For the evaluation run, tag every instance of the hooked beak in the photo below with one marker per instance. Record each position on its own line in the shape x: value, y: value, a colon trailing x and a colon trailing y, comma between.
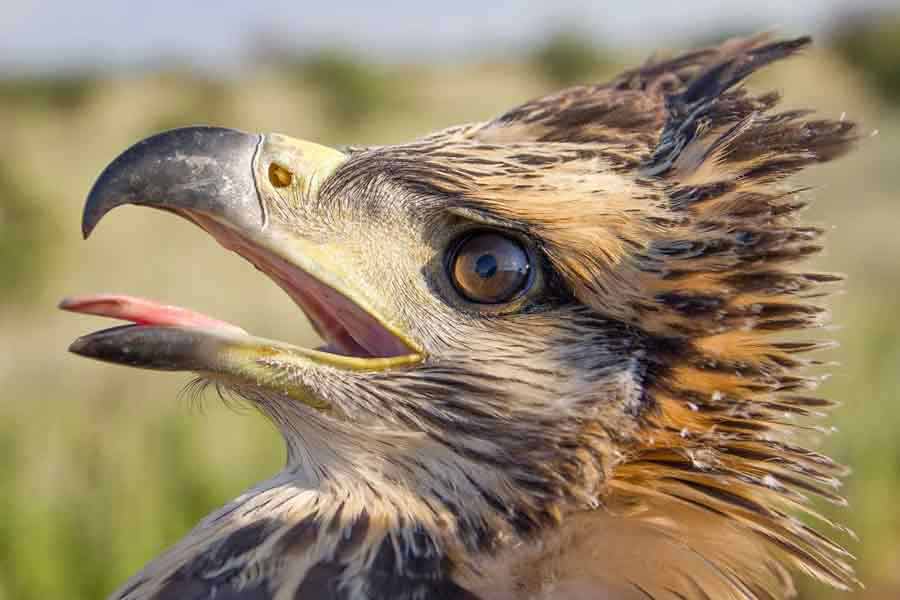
x: 195, y: 170
x: 222, y: 180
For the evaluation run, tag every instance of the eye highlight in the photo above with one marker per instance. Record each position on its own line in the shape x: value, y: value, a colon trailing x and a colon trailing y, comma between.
x: 490, y: 268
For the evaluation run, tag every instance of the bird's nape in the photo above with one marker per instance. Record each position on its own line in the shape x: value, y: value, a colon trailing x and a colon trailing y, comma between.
x: 560, y: 354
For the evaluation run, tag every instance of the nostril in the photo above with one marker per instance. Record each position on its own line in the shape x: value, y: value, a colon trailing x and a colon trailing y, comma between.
x: 279, y: 176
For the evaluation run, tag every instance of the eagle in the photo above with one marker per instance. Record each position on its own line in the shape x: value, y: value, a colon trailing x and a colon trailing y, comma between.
x: 563, y: 349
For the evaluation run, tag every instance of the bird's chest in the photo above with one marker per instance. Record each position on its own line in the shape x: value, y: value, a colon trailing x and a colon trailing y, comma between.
x: 592, y: 556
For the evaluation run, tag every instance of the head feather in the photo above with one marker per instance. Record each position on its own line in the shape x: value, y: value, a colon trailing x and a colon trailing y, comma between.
x: 661, y: 199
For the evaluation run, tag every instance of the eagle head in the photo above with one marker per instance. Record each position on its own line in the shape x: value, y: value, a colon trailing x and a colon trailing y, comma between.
x: 554, y: 360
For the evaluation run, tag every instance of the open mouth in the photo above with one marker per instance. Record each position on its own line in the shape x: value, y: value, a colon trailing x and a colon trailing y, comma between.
x: 347, y: 330
x: 210, y: 176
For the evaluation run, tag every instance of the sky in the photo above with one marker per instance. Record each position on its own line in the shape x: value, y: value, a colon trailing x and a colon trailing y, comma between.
x: 60, y: 34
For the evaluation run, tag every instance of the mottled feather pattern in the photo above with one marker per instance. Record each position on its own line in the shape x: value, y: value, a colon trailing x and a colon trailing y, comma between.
x: 737, y: 379
x: 717, y: 277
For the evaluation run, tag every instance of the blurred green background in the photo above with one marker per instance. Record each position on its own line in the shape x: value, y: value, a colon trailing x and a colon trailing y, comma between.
x: 102, y: 467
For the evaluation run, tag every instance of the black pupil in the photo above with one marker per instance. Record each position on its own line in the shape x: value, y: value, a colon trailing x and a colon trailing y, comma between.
x: 486, y: 266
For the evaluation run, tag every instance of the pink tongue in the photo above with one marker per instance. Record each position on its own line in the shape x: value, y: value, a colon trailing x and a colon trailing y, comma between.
x: 143, y: 312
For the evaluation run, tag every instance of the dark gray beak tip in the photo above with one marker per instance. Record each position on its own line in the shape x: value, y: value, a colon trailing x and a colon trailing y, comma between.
x: 77, y: 347
x: 91, y: 215
x: 145, y: 347
x: 87, y: 346
x: 206, y: 170
x: 101, y: 345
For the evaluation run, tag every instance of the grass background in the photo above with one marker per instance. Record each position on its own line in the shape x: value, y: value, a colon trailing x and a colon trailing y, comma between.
x: 103, y: 467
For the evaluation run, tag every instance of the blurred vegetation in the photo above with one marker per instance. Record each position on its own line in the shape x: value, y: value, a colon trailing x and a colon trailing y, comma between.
x: 199, y: 101
x: 354, y: 90
x: 24, y: 238
x: 568, y: 57
x: 351, y: 89
x: 872, y: 44
x: 67, y: 92
x: 101, y: 468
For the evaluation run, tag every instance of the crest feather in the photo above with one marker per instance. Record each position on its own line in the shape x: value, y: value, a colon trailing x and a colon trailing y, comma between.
x: 728, y: 284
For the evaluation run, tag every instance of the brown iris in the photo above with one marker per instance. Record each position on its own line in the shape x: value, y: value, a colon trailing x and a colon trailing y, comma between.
x: 490, y: 268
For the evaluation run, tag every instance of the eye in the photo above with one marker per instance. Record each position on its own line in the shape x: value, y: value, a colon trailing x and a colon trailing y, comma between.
x: 490, y: 268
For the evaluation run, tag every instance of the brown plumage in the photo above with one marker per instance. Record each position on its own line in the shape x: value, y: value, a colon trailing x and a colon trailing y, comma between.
x: 630, y: 425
